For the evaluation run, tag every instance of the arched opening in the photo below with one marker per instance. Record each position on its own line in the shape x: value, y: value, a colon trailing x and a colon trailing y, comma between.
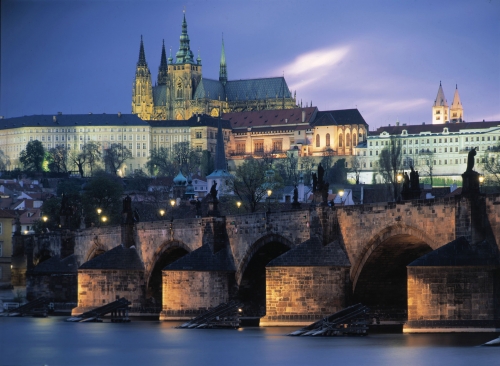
x: 168, y: 255
x: 95, y: 251
x: 252, y: 284
x: 382, y: 282
x: 317, y: 141
x: 327, y: 139
x: 340, y: 140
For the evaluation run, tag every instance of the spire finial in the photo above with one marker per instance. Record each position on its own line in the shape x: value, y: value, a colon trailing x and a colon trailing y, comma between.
x: 142, y: 55
x: 223, y: 67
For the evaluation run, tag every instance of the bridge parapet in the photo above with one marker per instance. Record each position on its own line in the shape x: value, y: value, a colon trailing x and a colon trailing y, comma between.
x: 95, y: 238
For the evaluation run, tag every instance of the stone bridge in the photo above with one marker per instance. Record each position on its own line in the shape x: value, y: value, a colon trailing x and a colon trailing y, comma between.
x: 357, y: 253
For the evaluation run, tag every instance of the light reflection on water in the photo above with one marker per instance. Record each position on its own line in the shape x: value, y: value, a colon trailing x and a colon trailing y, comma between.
x: 51, y: 341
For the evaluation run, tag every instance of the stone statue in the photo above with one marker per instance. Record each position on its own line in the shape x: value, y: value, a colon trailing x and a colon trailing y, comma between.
x: 295, y: 195
x: 406, y: 182
x: 213, y: 190
x: 321, y: 174
x: 470, y: 159
x: 315, y: 181
x: 198, y: 208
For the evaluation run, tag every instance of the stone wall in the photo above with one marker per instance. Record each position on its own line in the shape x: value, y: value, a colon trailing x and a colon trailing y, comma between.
x: 86, y: 241
x: 443, y: 298
x: 302, y: 295
x: 56, y: 287
x: 100, y: 287
x: 190, y: 293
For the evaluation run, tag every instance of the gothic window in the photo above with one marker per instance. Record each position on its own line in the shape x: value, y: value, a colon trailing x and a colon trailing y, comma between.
x: 327, y: 139
x: 340, y: 140
x: 317, y: 141
x: 347, y: 139
x: 354, y: 142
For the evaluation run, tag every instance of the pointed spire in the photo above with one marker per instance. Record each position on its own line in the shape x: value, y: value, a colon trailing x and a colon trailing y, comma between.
x: 142, y: 55
x: 456, y: 110
x: 163, y: 69
x: 440, y: 99
x: 220, y: 154
x: 184, y: 55
x: 223, y: 68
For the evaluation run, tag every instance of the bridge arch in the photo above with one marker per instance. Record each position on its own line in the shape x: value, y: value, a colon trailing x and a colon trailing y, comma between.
x: 168, y: 252
x: 96, y: 249
x: 251, y: 273
x: 379, y: 276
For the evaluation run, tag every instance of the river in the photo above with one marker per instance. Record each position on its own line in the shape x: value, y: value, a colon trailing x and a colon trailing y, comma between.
x: 51, y: 341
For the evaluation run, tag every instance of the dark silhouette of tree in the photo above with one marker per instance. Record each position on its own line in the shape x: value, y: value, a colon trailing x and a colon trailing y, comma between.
x: 58, y: 159
x: 92, y: 151
x: 33, y: 156
x: 390, y: 164
x: 4, y: 161
x: 78, y: 159
x: 206, y: 163
x: 115, y: 156
x: 160, y: 162
x: 103, y: 191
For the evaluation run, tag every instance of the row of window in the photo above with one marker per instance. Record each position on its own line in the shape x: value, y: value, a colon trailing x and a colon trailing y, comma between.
x: 436, y: 140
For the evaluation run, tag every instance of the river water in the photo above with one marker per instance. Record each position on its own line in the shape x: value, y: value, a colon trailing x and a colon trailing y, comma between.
x: 51, y: 341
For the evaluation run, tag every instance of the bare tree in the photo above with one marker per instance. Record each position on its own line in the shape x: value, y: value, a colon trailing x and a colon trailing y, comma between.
x: 185, y: 158
x: 356, y: 166
x: 390, y: 164
x: 115, y: 156
x: 4, y: 161
x: 58, y: 158
x: 426, y: 163
x: 92, y: 151
x: 306, y: 167
x: 78, y: 159
x: 160, y: 162
x: 491, y: 165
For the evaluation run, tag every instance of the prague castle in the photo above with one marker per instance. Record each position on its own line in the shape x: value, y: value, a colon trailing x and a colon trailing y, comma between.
x: 181, y: 90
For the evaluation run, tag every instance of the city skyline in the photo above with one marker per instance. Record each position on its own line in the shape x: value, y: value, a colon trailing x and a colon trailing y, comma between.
x: 387, y: 60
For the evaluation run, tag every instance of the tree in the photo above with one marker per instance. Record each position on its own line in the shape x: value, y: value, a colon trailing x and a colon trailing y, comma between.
x: 160, y: 162
x: 103, y: 191
x: 92, y: 151
x: 337, y: 174
x: 115, y: 156
x: 78, y: 159
x: 58, y: 158
x: 185, y: 158
x: 207, y: 164
x: 306, y: 167
x: 4, y: 161
x: 33, y: 156
x: 288, y: 168
x: 426, y: 165
x: 390, y: 164
x: 327, y: 160
x: 250, y: 182
x: 356, y: 166
x: 491, y: 165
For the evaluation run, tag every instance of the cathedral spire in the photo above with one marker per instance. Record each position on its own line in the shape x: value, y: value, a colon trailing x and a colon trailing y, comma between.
x: 223, y: 68
x: 163, y: 69
x: 440, y: 108
x: 440, y: 99
x: 142, y: 55
x: 184, y: 55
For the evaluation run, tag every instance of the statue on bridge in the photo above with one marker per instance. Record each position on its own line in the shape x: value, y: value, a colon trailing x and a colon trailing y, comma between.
x: 213, y: 190
x: 295, y: 202
x: 470, y: 159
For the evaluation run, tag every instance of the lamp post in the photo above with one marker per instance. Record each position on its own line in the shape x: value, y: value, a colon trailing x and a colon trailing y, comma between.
x: 104, y: 219
x: 238, y: 204
x: 172, y: 203
x: 162, y: 213
x: 269, y: 193
x: 45, y: 218
x: 481, y: 181
x: 99, y: 211
x: 341, y: 194
x: 399, y: 179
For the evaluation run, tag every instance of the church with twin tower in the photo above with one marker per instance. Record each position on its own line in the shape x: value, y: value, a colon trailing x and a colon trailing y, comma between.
x: 181, y: 90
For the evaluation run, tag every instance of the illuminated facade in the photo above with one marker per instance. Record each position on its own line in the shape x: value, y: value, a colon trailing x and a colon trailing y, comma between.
x: 181, y: 91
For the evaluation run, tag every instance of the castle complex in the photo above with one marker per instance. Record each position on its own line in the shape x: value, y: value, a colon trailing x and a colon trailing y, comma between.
x: 181, y: 91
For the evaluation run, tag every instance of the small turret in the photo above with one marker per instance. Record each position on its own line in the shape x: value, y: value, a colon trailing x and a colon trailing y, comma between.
x: 440, y: 108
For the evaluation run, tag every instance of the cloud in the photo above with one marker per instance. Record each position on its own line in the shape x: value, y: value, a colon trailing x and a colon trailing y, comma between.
x: 313, y: 66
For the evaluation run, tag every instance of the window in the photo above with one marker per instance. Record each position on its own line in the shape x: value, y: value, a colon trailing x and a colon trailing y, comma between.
x: 130, y: 148
x: 340, y: 140
x: 259, y: 146
x: 144, y: 145
x: 347, y: 139
x: 198, y: 134
x: 317, y: 141
x: 277, y: 146
x: 327, y: 139
x: 138, y: 145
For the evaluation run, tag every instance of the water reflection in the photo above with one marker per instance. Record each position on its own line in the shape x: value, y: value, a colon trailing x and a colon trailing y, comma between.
x: 51, y: 341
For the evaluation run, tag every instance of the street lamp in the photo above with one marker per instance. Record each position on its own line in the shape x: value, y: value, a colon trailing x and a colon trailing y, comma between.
x: 238, y: 204
x: 399, y: 178
x: 341, y: 194
x: 172, y: 203
x: 104, y: 219
x: 45, y: 218
x: 269, y: 193
x: 162, y: 212
x: 481, y: 181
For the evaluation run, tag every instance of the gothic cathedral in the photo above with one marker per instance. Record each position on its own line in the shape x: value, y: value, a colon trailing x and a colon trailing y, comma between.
x: 181, y: 91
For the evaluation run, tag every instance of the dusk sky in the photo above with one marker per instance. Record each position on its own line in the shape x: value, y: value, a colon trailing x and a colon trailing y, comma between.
x: 384, y: 57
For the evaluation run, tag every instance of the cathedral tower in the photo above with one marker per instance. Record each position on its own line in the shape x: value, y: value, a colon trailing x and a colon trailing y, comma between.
x: 142, y: 90
x: 440, y: 108
x: 163, y: 68
x: 456, y: 110
x: 184, y: 75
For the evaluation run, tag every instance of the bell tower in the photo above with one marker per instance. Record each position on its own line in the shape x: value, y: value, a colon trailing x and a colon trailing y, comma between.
x: 456, y: 110
x: 440, y: 108
x: 142, y: 89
